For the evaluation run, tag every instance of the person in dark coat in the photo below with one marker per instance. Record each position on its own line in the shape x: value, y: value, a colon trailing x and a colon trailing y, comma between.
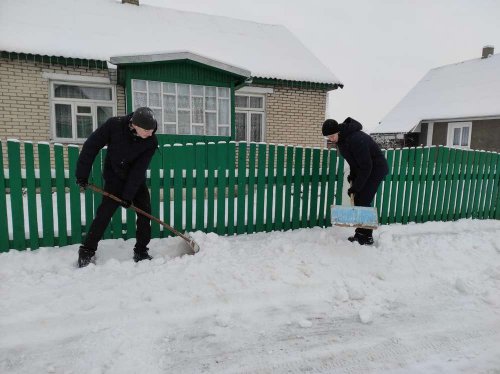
x: 131, y: 142
x: 366, y: 161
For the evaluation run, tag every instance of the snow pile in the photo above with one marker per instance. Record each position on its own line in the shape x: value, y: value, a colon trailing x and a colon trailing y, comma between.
x: 425, y: 298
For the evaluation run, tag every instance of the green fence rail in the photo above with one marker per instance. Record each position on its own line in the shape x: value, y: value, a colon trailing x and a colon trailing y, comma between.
x: 230, y: 188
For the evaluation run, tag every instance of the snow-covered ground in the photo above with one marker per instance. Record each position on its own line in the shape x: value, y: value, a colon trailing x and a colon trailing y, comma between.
x: 424, y: 299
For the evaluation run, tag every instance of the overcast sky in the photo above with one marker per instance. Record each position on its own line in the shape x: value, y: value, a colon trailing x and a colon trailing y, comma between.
x: 379, y: 49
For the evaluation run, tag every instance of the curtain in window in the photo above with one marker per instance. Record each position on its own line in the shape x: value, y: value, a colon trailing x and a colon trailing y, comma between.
x: 255, y: 127
x: 211, y: 123
x: 103, y: 113
x: 456, y: 136
x: 465, y: 136
x: 240, y: 126
x: 63, y: 120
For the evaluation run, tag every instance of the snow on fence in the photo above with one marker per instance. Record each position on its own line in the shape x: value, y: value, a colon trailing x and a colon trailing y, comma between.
x: 210, y: 187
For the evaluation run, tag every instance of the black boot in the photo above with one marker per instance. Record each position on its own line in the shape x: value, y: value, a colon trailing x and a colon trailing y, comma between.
x: 141, y: 254
x: 85, y: 256
x: 362, y: 239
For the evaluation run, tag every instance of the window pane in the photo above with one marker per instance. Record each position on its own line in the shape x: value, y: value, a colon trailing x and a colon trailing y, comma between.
x: 223, y: 92
x: 82, y: 92
x: 170, y: 129
x: 154, y: 100
x: 83, y: 126
x: 197, y: 90
x: 63, y: 121
x: 140, y: 99
x: 103, y: 113
x: 169, y: 88
x: 256, y: 102
x: 183, y: 96
x: 456, y: 136
x: 184, y: 122
x: 465, y: 136
x: 139, y: 85
x: 83, y: 109
x: 241, y: 101
x: 223, y: 112
x: 197, y: 103
x: 255, y: 127
x: 199, y: 130
x: 154, y: 87
x: 211, y: 123
x: 240, y: 120
x: 211, y: 91
x: 158, y: 118
x: 211, y: 103
x: 183, y: 89
x: 169, y: 108
x: 224, y: 131
x: 210, y: 98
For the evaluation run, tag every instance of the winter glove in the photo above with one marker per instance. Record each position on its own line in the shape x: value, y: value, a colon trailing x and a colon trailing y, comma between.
x: 82, y: 182
x: 351, y: 191
x: 126, y: 203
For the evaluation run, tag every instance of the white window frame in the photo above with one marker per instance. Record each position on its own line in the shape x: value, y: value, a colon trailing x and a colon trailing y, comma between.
x: 451, y: 128
x: 161, y: 129
x: 74, y: 104
x: 248, y: 112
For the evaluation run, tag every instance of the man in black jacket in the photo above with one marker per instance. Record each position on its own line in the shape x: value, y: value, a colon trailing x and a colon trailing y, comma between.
x: 131, y: 142
x: 366, y: 161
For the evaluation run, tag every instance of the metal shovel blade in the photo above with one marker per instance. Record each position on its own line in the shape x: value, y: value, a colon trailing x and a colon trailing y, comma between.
x: 355, y: 216
x: 191, y: 243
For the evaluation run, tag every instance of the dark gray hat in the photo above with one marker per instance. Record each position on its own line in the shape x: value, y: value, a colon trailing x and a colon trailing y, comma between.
x: 330, y: 127
x: 144, y: 117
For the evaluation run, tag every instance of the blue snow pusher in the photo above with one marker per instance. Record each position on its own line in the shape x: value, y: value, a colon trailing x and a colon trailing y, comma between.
x: 355, y: 216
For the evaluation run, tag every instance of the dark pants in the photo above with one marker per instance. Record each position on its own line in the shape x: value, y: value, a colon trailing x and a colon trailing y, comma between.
x: 108, y: 207
x: 365, y: 197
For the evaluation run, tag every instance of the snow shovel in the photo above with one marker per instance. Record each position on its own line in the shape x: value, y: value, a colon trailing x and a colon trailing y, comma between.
x: 188, y: 239
x: 355, y: 216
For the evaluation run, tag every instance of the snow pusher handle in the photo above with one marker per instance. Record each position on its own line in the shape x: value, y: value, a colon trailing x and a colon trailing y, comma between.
x: 188, y: 239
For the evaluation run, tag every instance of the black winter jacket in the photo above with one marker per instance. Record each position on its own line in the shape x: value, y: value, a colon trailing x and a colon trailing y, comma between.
x: 363, y: 155
x: 127, y: 157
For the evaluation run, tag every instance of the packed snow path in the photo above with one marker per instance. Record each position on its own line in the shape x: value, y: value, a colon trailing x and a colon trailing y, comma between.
x: 425, y: 298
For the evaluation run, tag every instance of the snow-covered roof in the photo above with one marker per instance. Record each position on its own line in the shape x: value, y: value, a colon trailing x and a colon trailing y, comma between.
x: 464, y: 90
x: 100, y: 29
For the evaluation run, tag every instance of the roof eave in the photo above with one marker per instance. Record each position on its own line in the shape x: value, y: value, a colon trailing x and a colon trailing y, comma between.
x: 182, y: 55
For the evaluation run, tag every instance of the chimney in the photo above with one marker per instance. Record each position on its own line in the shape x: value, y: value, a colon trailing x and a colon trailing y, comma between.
x: 488, y: 51
x: 133, y: 2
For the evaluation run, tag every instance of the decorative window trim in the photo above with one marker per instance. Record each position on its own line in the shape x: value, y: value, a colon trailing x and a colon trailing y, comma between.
x: 454, y: 125
x: 94, y: 103
x: 255, y: 90
x: 75, y: 78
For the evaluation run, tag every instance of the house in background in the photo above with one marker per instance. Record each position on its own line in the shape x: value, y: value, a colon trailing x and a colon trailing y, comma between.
x: 455, y: 105
x: 68, y: 65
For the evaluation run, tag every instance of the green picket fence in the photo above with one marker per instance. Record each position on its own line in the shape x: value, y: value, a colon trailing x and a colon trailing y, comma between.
x: 230, y: 188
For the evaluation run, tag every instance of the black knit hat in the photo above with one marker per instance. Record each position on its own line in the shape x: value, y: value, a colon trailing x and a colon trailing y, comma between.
x: 144, y: 118
x: 330, y: 127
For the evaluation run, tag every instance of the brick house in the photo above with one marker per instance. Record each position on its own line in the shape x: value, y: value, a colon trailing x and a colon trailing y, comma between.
x: 455, y: 105
x: 66, y: 66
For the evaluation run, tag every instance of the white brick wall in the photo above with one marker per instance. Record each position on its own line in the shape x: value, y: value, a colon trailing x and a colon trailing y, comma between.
x: 294, y: 116
x: 24, y: 98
